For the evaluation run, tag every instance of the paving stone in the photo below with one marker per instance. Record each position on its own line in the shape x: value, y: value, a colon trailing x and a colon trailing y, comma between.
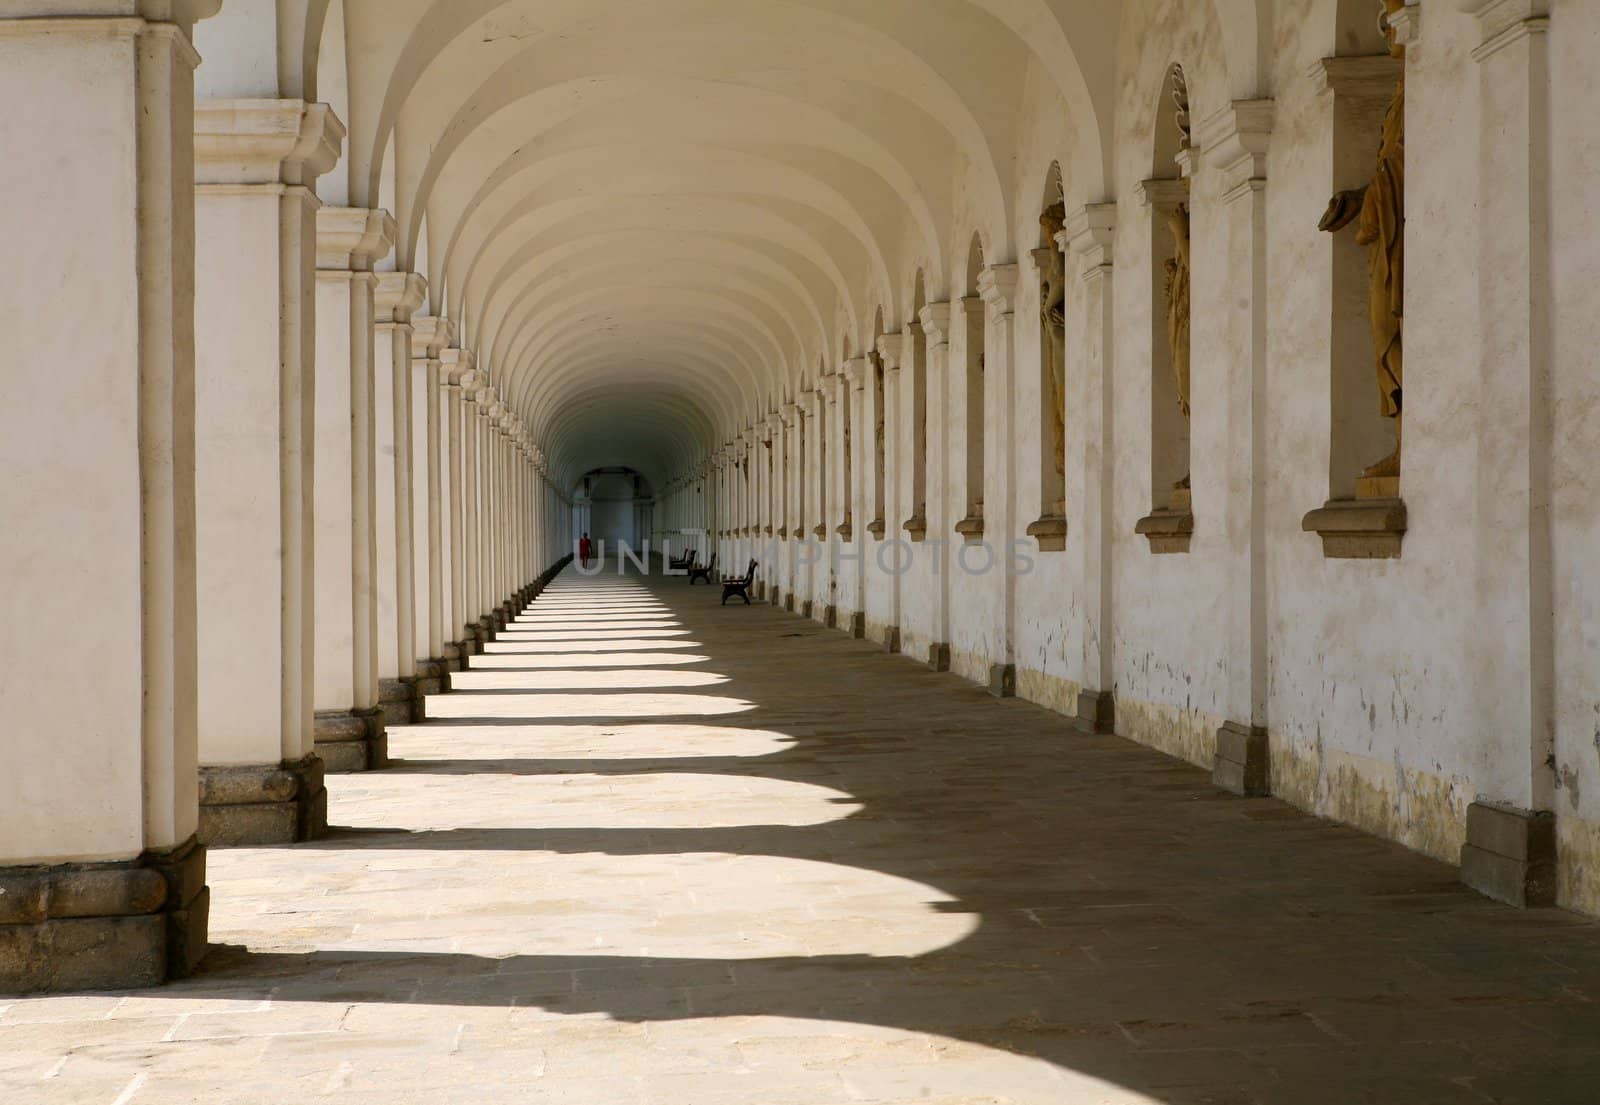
x: 812, y: 873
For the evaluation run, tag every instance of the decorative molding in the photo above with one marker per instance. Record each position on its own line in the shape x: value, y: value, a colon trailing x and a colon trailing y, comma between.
x: 935, y: 319
x: 264, y: 141
x: 1235, y: 142
x: 997, y: 285
x: 1371, y: 77
x: 1091, y: 233
x: 857, y: 370
x: 352, y: 238
x: 1503, y: 23
x: 891, y: 350
x: 430, y: 334
x: 399, y: 294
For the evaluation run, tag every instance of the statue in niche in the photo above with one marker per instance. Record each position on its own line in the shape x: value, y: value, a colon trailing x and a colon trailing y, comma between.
x: 1379, y: 211
x: 1178, y: 309
x: 1053, y: 327
x: 1178, y: 266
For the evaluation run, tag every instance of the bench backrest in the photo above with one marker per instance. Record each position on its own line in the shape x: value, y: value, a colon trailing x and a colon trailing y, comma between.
x: 750, y: 574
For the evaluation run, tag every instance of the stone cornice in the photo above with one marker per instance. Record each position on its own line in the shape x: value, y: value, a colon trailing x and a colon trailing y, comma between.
x: 1504, y: 22
x: 351, y: 238
x: 399, y: 294
x: 264, y: 141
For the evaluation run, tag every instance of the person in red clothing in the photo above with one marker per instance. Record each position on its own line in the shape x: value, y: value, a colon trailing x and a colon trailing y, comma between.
x: 585, y: 550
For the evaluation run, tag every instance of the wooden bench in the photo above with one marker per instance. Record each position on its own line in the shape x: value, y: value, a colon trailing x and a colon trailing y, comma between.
x: 682, y: 563
x: 703, y: 571
x: 739, y: 587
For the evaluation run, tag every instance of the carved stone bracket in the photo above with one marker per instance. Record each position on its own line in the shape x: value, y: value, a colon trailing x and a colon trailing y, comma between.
x: 1235, y: 142
x: 1359, y: 529
x: 1170, y: 529
x: 1051, y: 533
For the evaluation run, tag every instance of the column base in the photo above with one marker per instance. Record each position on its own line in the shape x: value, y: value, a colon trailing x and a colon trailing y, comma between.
x: 471, y: 642
x: 1097, y: 712
x: 830, y: 616
x: 1003, y: 680
x: 1241, y: 765
x: 352, y: 740
x: 433, y: 677
x: 1510, y: 854
x: 807, y: 607
x: 788, y: 602
x: 858, y: 626
x: 267, y: 804
x: 104, y: 926
x: 396, y: 698
x: 891, y: 639
x: 939, y: 656
x: 452, y: 657
x: 487, y: 629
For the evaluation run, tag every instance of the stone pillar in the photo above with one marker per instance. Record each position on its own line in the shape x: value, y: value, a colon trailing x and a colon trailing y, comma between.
x: 855, y: 475
x: 942, y: 509
x: 255, y: 350
x: 430, y: 335
x: 102, y: 881
x: 399, y: 294
x: 998, y: 286
x: 348, y: 725
x: 456, y: 365
x: 1234, y: 142
x: 892, y: 350
x: 1091, y: 375
x: 1510, y: 850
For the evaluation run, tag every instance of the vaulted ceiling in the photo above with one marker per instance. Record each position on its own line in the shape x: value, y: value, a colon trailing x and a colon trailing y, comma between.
x: 655, y: 220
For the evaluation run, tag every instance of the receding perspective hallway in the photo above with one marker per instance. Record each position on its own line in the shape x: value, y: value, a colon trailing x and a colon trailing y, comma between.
x: 653, y: 849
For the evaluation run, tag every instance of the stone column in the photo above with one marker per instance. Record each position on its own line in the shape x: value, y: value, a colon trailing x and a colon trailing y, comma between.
x: 456, y: 365
x: 255, y: 351
x: 430, y: 335
x: 892, y: 350
x: 399, y: 294
x: 98, y: 426
x: 855, y: 477
x: 1091, y: 375
x: 1234, y: 142
x: 1511, y: 844
x: 348, y: 725
x: 941, y: 509
x: 998, y: 286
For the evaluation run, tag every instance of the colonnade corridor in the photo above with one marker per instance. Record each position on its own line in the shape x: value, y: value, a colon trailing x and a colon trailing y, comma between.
x: 653, y: 849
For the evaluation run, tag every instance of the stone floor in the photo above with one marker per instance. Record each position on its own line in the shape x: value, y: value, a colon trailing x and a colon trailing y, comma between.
x: 662, y: 852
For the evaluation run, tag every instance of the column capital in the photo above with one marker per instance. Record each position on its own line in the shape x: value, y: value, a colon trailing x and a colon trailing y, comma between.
x: 430, y: 336
x: 891, y: 350
x: 456, y: 363
x: 1161, y: 193
x: 1235, y: 141
x: 352, y: 238
x: 246, y: 142
x: 1090, y: 232
x: 1500, y: 22
x: 1372, y: 78
x: 832, y: 385
x: 997, y: 285
x: 790, y: 413
x: 856, y: 371
x: 936, y: 322
x: 399, y: 293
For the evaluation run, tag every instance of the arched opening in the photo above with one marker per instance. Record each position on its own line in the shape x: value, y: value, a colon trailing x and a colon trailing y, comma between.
x: 1050, y: 529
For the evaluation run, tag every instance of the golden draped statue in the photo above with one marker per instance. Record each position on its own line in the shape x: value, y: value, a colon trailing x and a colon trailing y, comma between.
x: 1053, y: 325
x: 1379, y: 211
